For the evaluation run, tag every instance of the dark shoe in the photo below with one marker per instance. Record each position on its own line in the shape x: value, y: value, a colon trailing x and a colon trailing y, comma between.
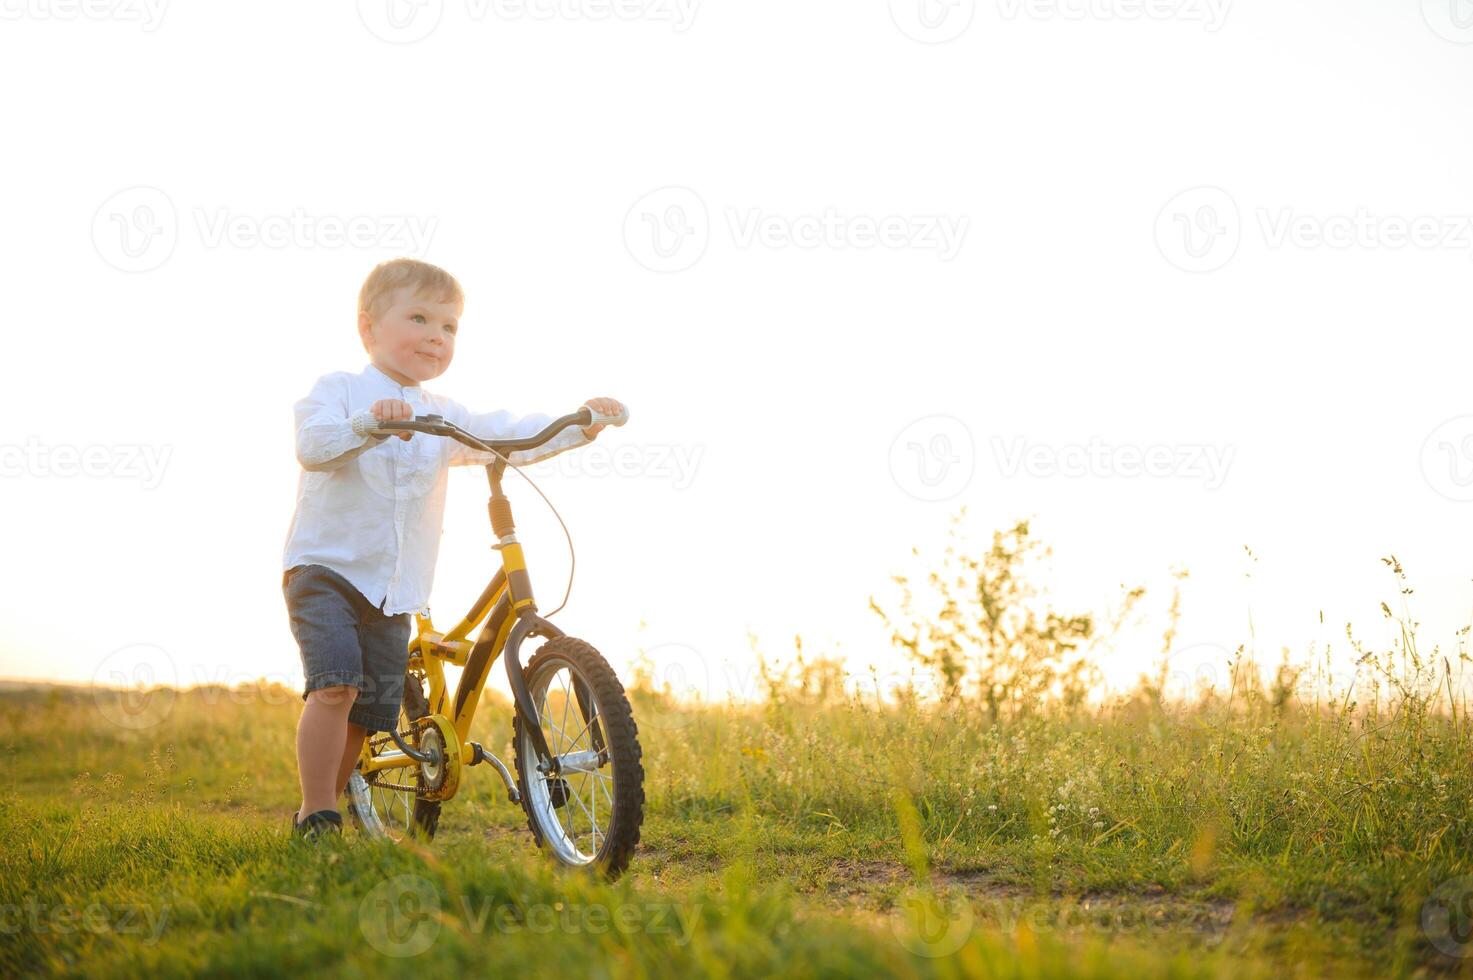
x: 317, y: 824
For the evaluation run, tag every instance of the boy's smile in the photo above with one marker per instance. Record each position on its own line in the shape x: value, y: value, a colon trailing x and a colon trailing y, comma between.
x: 412, y: 338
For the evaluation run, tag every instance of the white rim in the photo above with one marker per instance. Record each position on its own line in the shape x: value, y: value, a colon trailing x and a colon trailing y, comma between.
x: 576, y: 831
x: 382, y: 812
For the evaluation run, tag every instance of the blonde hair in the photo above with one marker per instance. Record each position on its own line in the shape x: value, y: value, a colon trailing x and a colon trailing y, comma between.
x: 428, y: 280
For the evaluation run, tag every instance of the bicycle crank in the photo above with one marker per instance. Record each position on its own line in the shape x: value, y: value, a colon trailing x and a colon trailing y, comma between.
x: 480, y: 755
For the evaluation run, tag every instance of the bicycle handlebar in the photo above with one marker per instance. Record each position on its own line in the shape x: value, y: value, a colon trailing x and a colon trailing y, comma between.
x: 437, y: 425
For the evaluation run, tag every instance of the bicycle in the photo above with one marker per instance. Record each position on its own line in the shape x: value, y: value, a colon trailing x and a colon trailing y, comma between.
x: 568, y: 774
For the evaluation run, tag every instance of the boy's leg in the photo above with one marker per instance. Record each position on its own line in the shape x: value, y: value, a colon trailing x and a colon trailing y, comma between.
x: 320, y: 734
x: 384, y: 641
x: 351, y: 750
x: 323, y: 609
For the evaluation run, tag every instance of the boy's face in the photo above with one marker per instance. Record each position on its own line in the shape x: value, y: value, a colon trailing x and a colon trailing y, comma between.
x: 412, y: 338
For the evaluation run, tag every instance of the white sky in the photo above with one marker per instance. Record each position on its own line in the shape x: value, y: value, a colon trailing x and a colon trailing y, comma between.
x: 1062, y: 145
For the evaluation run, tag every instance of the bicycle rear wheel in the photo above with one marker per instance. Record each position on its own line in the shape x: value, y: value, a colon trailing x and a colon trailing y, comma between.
x: 387, y: 804
x: 589, y: 814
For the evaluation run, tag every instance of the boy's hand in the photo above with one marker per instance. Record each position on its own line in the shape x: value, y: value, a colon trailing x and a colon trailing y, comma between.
x: 604, y: 406
x: 393, y: 410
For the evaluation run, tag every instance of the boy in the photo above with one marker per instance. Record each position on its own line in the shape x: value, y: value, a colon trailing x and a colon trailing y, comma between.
x: 360, y: 554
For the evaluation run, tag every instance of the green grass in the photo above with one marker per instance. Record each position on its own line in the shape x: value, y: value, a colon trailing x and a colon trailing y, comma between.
x: 818, y: 834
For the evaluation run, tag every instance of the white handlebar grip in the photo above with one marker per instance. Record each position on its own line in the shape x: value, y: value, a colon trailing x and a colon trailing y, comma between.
x: 364, y: 424
x: 601, y: 419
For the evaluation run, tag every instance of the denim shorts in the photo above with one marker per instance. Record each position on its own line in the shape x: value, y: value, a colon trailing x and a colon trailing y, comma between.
x: 344, y: 640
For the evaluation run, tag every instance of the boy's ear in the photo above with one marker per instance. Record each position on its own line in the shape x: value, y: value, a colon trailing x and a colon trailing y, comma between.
x: 365, y: 329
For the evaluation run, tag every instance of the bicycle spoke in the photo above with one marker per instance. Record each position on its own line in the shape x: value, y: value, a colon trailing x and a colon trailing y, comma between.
x: 582, y: 792
x: 564, y: 728
x: 575, y: 794
x: 392, y: 793
x: 543, y: 714
x: 552, y: 728
x: 595, y: 838
x: 590, y: 721
x: 566, y: 747
x: 579, y: 800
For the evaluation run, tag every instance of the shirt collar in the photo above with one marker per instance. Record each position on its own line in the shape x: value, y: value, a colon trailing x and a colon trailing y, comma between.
x: 410, y: 393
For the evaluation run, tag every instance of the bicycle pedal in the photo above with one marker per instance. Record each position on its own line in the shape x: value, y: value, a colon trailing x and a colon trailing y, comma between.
x: 557, y: 792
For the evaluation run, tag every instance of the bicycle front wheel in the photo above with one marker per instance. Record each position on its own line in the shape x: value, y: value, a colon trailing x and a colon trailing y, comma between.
x: 589, y: 813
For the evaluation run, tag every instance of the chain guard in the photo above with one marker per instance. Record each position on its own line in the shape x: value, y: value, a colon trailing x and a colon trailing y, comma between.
x: 426, y: 781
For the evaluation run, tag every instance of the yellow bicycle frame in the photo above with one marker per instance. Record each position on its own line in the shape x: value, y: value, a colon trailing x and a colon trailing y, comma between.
x: 507, y: 608
x: 430, y: 650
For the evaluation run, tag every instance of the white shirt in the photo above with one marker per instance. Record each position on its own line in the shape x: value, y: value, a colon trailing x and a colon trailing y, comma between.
x: 372, y: 507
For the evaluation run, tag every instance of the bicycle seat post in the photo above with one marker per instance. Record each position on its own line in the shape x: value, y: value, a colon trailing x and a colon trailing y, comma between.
x: 519, y: 583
